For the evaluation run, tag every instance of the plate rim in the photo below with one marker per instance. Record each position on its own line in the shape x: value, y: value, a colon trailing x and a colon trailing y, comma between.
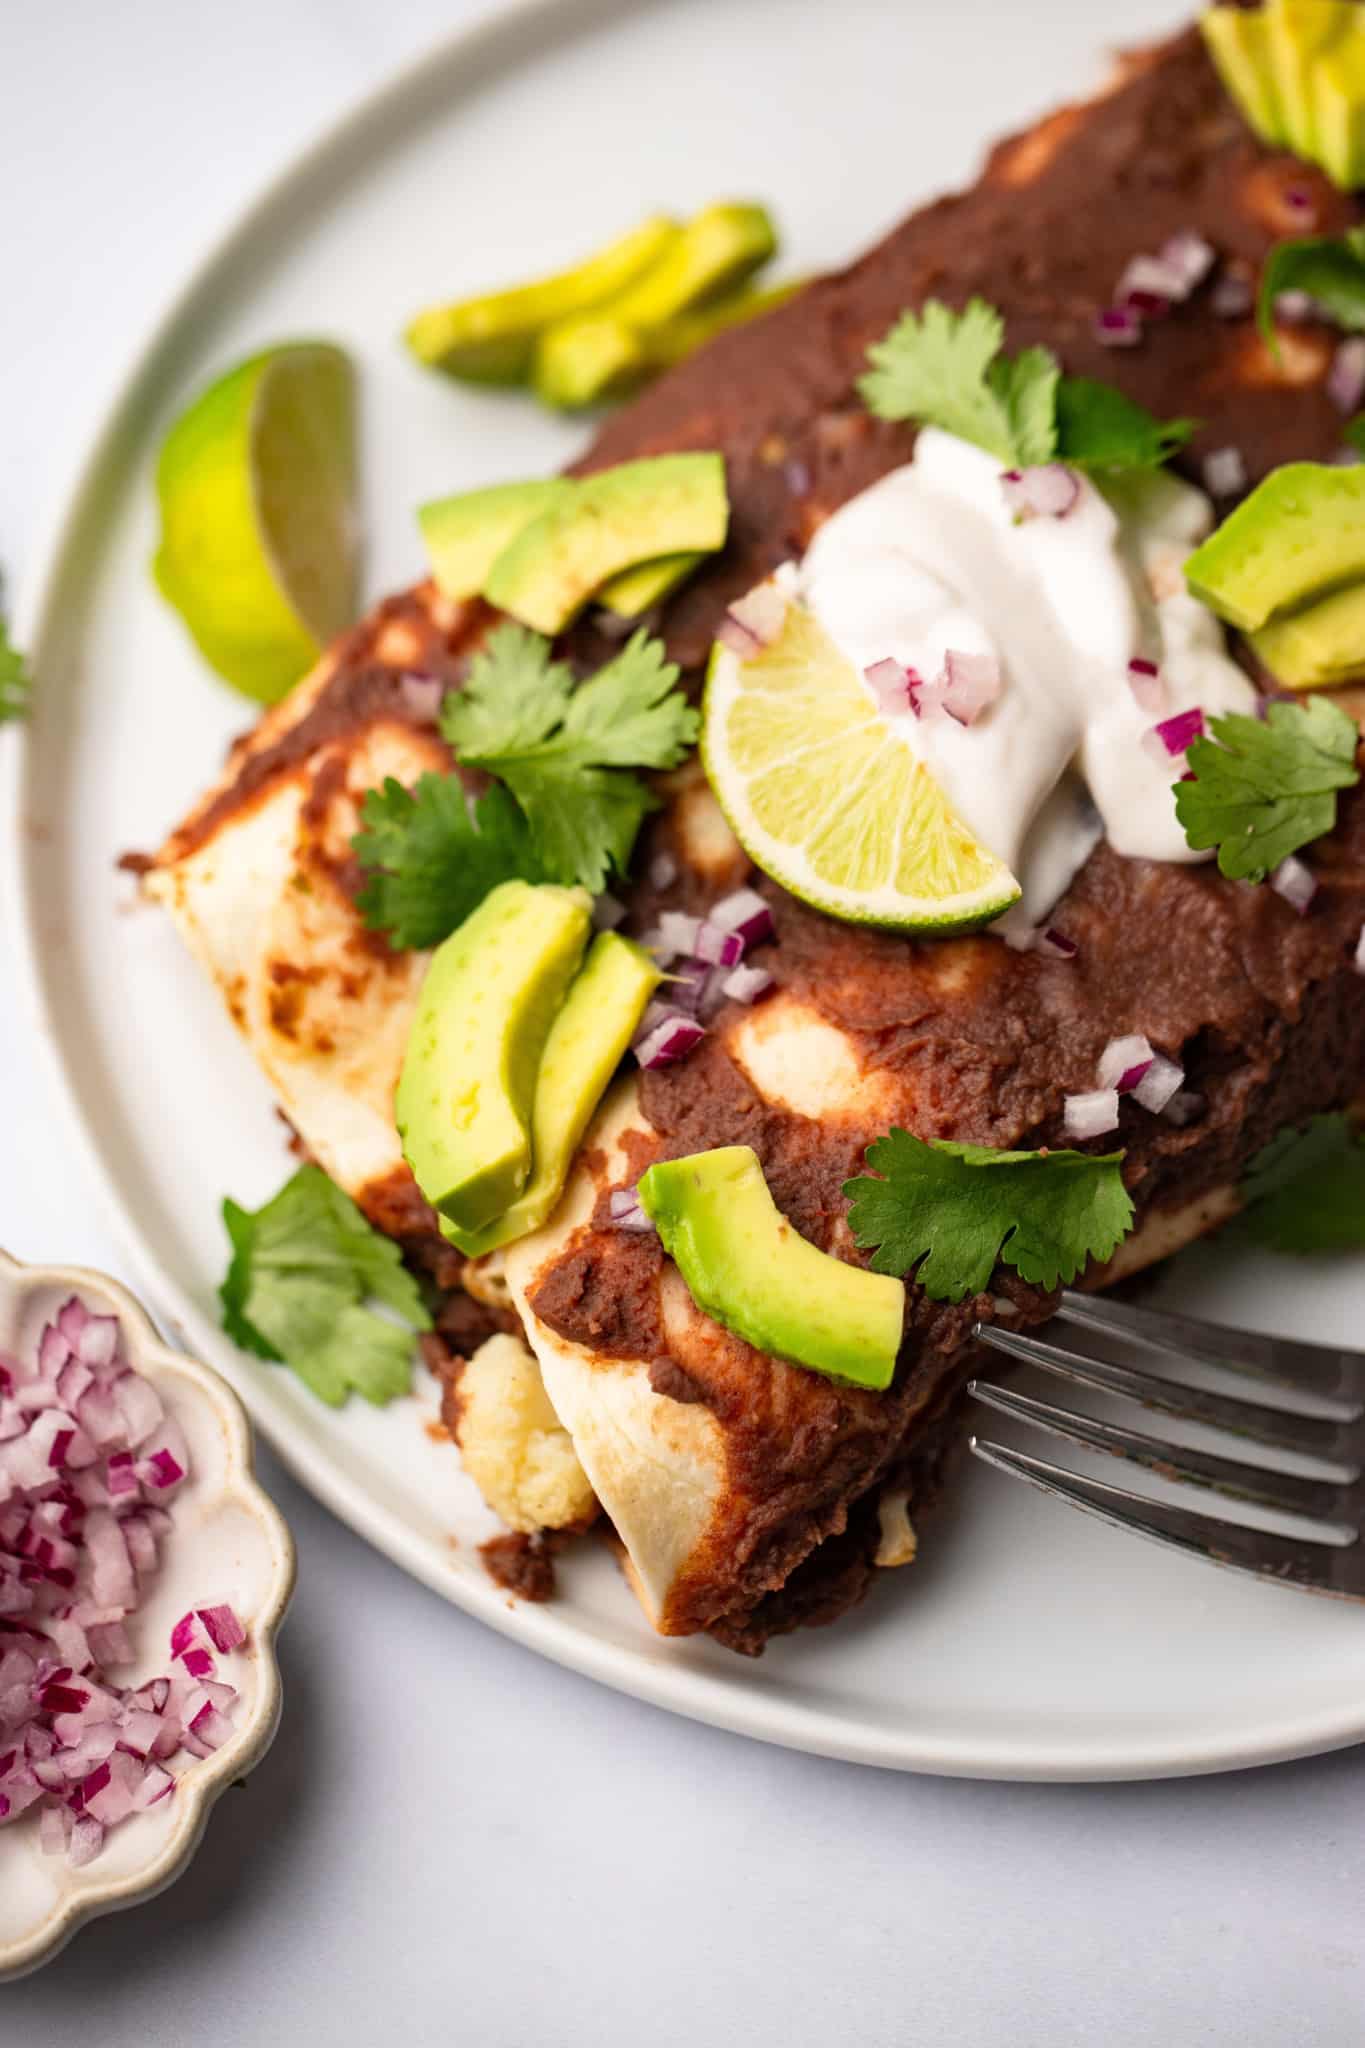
x: 498, y: 42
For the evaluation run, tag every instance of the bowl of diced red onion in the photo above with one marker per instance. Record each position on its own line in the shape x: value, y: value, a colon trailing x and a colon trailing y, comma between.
x: 143, y: 1578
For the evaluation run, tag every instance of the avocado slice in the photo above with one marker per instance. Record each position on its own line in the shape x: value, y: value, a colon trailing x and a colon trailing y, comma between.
x: 1240, y: 46
x: 465, y: 534
x: 676, y: 339
x: 1338, y: 91
x: 748, y: 1268
x: 490, y: 996
x: 490, y: 340
x: 1320, y: 644
x: 580, y: 361
x: 637, y: 590
x: 636, y: 512
x: 1300, y: 32
x: 1300, y: 534
x: 587, y: 1042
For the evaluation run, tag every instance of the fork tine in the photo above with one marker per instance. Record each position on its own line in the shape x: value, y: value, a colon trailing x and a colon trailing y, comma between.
x: 1318, y: 1566
x: 1284, y: 1361
x: 1313, y: 1436
x: 1321, y: 1500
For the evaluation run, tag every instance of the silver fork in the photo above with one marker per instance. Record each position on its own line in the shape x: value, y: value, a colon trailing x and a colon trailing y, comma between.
x: 1330, y: 1559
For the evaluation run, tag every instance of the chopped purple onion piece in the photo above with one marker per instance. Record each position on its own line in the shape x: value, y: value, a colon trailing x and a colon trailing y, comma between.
x: 1123, y: 1063
x: 747, y: 984
x: 743, y: 911
x: 1050, y: 490
x: 1233, y: 296
x: 671, y: 1040
x: 1050, y: 940
x: 1295, y: 309
x: 970, y: 684
x: 1346, y: 378
x: 1160, y: 1084
x: 1118, y: 327
x: 1168, y: 741
x: 1144, y: 680
x: 756, y: 619
x: 1296, y: 883
x: 1358, y: 958
x: 890, y: 684
x: 1091, y: 1115
x: 1153, y: 277
x: 1224, y: 473
x: 1189, y: 256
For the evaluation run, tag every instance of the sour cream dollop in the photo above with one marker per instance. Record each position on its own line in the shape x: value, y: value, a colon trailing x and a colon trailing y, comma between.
x: 932, y: 558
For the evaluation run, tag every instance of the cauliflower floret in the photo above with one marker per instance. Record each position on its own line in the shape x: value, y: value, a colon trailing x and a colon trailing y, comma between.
x: 512, y: 1443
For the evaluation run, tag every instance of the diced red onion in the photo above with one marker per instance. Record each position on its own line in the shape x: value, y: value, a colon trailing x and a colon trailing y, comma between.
x: 755, y: 620
x: 1049, y: 490
x: 1346, y: 378
x: 1168, y: 741
x: 1233, y: 297
x: 83, y: 1441
x: 1118, y: 327
x: 891, y: 685
x: 1144, y: 680
x: 1160, y: 1084
x: 743, y: 911
x: 1358, y: 959
x: 1152, y: 277
x: 1295, y: 309
x: 971, y: 684
x: 1050, y: 940
x: 747, y: 984
x: 1123, y: 1063
x: 671, y: 1040
x: 1189, y: 257
x: 677, y: 935
x: 1296, y: 883
x: 718, y: 948
x: 623, y: 1205
x: 1092, y: 1114
x: 1224, y: 473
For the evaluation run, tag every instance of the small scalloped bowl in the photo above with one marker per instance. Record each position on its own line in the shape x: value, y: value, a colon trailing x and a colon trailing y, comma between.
x: 227, y: 1542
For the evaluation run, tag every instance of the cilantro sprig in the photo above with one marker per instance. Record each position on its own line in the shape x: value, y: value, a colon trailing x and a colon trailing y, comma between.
x: 1260, y: 789
x: 567, y: 750
x: 567, y: 804
x: 1306, y: 1191
x: 951, y: 1212
x: 304, y: 1267
x: 431, y: 856
x: 14, y: 678
x: 946, y: 369
x: 1329, y: 268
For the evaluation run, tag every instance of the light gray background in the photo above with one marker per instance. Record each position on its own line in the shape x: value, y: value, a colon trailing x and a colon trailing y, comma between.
x: 452, y: 1842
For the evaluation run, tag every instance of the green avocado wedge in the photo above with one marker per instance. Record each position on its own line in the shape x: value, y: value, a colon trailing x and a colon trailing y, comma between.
x: 1298, y: 536
x: 747, y: 1267
x: 613, y: 521
x: 638, y: 590
x: 1240, y: 46
x: 578, y: 362
x: 491, y: 339
x: 586, y: 1043
x: 464, y: 535
x: 491, y: 994
x: 1338, y: 98
x: 1318, y: 646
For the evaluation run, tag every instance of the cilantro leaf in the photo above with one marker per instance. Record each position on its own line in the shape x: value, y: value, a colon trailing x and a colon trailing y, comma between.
x: 14, y: 678
x: 1306, y: 1191
x: 1098, y: 428
x: 431, y: 857
x: 1260, y: 789
x: 303, y: 1267
x: 566, y: 753
x: 1330, y: 268
x: 945, y: 369
x: 954, y: 1210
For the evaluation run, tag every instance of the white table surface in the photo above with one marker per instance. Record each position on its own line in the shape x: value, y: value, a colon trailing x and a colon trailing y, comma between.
x: 451, y: 1841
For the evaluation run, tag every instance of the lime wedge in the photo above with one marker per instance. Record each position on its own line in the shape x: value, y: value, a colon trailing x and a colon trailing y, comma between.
x: 829, y: 801
x: 256, y: 484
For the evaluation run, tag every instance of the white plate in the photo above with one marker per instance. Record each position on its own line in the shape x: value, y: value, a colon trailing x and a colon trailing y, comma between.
x: 1028, y: 1642
x: 227, y: 1542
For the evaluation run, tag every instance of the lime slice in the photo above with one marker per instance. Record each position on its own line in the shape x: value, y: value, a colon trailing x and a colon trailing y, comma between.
x: 827, y: 799
x: 256, y: 484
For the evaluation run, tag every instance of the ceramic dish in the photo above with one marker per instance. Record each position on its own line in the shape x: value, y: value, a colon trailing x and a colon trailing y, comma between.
x: 1030, y: 1643
x: 226, y: 1536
